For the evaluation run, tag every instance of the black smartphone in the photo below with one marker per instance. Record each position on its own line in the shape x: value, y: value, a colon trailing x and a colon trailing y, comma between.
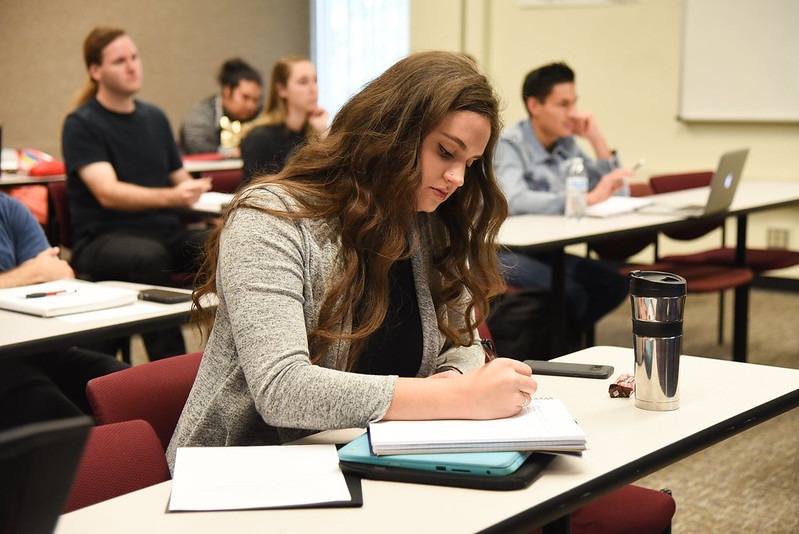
x: 580, y: 370
x: 164, y: 296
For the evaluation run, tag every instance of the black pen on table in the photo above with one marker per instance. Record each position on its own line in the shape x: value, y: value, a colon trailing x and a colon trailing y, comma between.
x: 48, y: 293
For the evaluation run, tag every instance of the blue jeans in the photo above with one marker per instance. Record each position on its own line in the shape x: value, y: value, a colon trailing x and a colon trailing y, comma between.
x: 591, y: 288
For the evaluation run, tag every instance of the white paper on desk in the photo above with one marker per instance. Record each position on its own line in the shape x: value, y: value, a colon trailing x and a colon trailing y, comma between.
x: 213, y: 201
x: 617, y: 206
x: 137, y: 308
x: 240, y: 478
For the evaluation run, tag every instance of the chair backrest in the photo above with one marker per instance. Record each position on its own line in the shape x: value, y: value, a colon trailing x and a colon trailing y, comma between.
x: 60, y: 202
x: 620, y: 248
x: 641, y: 189
x: 37, y: 465
x: 225, y: 181
x: 666, y: 183
x: 155, y: 392
x: 118, y: 458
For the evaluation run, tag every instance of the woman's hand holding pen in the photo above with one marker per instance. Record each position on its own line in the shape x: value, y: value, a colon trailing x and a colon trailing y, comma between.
x: 500, y: 388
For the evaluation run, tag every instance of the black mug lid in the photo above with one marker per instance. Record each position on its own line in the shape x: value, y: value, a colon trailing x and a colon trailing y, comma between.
x: 656, y: 284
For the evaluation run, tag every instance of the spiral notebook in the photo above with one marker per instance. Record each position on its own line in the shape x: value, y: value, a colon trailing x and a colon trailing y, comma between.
x: 64, y: 297
x: 544, y: 425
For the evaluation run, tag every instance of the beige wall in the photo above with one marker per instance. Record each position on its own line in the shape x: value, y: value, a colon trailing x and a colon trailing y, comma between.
x: 182, y: 44
x: 627, y: 60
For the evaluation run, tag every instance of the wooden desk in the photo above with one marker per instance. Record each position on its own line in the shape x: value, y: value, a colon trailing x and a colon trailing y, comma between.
x: 550, y: 232
x: 710, y: 411
x: 23, y: 334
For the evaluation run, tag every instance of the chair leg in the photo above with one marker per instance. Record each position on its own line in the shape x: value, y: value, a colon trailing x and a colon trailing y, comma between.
x: 667, y: 530
x: 720, y: 339
x: 124, y: 345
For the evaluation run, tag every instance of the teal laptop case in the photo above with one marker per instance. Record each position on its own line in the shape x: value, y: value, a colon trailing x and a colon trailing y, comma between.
x: 485, y: 464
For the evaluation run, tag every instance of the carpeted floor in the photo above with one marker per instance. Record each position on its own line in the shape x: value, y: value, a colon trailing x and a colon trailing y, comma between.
x: 750, y: 482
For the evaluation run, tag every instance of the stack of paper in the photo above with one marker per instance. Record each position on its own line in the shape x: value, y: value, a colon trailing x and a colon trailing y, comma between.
x: 617, y: 206
x: 241, y: 478
x: 63, y: 297
x: 213, y: 202
x: 545, y: 425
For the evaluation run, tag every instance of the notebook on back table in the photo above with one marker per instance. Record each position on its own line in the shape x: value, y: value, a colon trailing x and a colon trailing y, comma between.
x: 719, y: 195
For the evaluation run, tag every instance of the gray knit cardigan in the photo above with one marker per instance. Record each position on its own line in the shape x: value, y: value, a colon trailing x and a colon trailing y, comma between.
x: 256, y: 384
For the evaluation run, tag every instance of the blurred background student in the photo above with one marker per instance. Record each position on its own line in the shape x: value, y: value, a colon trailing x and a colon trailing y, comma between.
x: 126, y: 180
x: 291, y: 116
x: 215, y: 123
x: 49, y: 385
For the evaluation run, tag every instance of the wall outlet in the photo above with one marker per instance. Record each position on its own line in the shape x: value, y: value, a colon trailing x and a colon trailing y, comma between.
x: 777, y: 238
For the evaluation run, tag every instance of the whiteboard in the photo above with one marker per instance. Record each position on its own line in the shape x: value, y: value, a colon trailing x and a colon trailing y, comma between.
x: 740, y: 61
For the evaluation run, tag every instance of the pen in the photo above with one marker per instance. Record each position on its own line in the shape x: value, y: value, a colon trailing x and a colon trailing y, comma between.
x: 48, y: 293
x: 639, y: 164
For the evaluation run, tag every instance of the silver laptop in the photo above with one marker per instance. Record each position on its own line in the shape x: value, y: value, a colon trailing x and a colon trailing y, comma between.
x: 717, y: 198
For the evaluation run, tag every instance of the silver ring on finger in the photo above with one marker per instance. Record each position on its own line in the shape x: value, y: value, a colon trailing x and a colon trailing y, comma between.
x: 527, y: 400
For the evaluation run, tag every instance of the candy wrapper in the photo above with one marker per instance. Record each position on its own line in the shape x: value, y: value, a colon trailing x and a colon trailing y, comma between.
x: 624, y: 386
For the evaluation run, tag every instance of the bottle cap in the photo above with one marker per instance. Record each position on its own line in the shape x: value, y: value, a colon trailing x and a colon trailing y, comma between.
x: 657, y: 284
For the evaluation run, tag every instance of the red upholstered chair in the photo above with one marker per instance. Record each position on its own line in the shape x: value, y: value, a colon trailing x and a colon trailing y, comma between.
x: 226, y: 181
x: 759, y: 260
x: 154, y: 391
x: 702, y: 276
x: 630, y: 509
x: 57, y: 191
x: 667, y: 183
x: 618, y: 249
x: 118, y: 459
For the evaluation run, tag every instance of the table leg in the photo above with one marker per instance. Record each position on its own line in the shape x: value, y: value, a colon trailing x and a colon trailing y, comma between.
x: 562, y: 525
x: 558, y: 333
x: 740, y: 335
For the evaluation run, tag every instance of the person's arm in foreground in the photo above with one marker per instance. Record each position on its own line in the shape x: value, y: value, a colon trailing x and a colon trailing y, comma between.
x: 497, y: 389
x: 36, y: 261
x: 45, y: 267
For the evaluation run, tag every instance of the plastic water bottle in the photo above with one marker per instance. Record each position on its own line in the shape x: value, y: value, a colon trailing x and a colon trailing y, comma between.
x: 576, y: 188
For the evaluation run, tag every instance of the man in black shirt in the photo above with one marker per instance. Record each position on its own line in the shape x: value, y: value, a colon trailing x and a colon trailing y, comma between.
x: 125, y: 178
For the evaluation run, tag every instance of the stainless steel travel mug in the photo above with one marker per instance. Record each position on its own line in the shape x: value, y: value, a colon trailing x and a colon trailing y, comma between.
x: 658, y: 304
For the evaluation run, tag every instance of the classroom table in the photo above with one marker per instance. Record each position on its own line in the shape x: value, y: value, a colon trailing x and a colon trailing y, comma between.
x: 13, y: 179
x: 552, y: 232
x: 625, y: 444
x: 23, y: 334
x: 209, y: 165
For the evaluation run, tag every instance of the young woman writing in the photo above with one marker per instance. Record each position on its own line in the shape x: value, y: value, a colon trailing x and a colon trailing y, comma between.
x: 347, y: 283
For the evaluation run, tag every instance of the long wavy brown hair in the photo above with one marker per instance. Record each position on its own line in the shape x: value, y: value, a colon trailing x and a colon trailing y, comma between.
x: 366, y: 173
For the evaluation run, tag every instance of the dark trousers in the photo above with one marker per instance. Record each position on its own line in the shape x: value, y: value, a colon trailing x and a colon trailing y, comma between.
x: 49, y: 386
x: 591, y: 288
x: 145, y: 258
